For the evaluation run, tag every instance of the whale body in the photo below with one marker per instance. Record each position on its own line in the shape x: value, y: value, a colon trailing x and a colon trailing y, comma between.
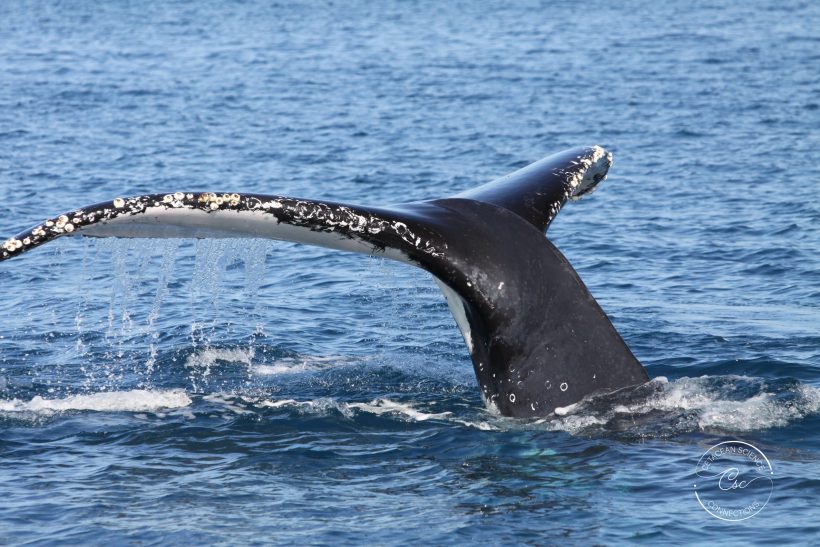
x: 537, y: 338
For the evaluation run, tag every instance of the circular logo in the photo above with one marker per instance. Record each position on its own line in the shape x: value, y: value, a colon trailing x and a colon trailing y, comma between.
x: 733, y: 481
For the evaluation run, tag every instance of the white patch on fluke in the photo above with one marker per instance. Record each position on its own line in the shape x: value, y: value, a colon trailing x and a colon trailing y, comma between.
x: 456, y: 306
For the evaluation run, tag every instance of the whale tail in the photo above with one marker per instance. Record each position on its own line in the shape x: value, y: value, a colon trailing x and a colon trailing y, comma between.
x: 537, y: 338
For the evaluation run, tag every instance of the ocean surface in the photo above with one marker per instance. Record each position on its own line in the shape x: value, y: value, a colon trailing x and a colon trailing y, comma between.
x: 160, y: 392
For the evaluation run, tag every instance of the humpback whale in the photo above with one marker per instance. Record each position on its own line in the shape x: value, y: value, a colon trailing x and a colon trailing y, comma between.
x: 537, y: 338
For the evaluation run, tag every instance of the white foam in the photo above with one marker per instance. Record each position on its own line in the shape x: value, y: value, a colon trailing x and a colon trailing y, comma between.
x: 575, y: 424
x: 386, y: 406
x: 280, y: 404
x: 727, y: 403
x: 137, y: 400
x: 321, y: 406
x: 564, y: 410
x: 290, y: 365
x: 227, y: 402
x: 760, y: 412
x: 279, y: 368
x: 377, y: 407
x: 716, y: 408
x: 482, y: 426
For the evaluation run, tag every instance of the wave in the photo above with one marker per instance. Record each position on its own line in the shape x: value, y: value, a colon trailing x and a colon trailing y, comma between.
x: 658, y: 409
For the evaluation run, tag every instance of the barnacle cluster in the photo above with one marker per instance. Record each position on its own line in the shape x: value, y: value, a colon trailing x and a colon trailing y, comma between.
x: 63, y: 223
x: 215, y: 201
x: 12, y: 245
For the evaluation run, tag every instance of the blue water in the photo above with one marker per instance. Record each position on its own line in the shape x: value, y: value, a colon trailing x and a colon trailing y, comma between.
x: 159, y: 392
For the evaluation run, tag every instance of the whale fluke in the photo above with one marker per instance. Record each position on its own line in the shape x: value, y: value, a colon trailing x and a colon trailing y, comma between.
x: 537, y: 338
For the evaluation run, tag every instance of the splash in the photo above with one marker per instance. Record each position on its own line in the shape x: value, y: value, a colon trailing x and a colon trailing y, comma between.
x: 291, y: 365
x: 207, y: 358
x: 132, y: 295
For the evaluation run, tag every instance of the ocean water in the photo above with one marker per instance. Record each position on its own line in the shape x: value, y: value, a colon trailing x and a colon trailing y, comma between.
x: 254, y: 392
